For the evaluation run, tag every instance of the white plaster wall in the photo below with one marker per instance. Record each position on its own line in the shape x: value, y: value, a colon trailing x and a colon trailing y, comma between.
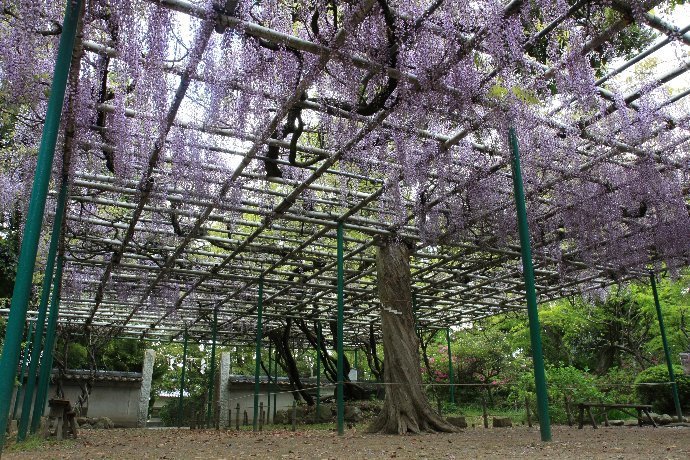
x: 118, y: 401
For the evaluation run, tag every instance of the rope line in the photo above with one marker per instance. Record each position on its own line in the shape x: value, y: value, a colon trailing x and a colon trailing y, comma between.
x: 332, y: 385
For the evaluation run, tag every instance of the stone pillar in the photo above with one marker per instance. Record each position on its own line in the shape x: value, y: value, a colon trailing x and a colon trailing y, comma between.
x: 224, y: 389
x: 145, y: 391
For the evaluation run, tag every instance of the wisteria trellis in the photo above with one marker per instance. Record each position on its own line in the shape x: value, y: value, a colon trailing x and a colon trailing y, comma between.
x: 217, y: 142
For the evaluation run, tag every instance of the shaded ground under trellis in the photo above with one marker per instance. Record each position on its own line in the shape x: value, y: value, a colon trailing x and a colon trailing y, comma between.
x: 625, y: 442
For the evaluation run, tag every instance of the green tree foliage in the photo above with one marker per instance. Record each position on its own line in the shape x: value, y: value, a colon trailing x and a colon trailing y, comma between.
x: 649, y: 390
x: 76, y: 356
x: 488, y: 358
x: 123, y: 355
x: 594, y: 348
x: 618, y: 331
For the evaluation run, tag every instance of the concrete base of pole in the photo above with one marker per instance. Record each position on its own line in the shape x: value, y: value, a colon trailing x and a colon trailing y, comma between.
x: 12, y: 428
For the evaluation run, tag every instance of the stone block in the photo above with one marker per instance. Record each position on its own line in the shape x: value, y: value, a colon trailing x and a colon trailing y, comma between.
x: 325, y: 415
x: 663, y: 419
x: 104, y: 423
x: 224, y: 389
x: 459, y: 422
x: 145, y: 390
x: 371, y: 407
x: 301, y: 413
x: 654, y: 416
x: 353, y: 414
x: 618, y: 422
x: 281, y: 418
x: 502, y: 422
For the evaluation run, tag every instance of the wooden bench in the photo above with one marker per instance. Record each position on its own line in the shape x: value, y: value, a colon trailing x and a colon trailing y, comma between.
x: 640, y: 408
x: 61, y: 421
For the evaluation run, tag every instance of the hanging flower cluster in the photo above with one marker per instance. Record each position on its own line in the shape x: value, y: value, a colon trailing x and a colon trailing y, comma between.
x: 205, y: 127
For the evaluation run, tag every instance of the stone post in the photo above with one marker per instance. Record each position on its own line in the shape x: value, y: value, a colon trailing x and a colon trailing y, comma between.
x: 224, y: 390
x: 145, y: 391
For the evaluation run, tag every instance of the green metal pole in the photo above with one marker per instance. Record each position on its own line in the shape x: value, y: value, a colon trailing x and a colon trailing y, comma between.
x: 34, y: 216
x: 269, y: 387
x: 450, y: 369
x: 667, y: 352
x: 48, y: 349
x: 212, y: 374
x: 23, y: 369
x: 180, y: 404
x: 341, y: 319
x: 318, y: 372
x: 257, y: 356
x: 275, y: 380
x: 42, y: 309
x: 530, y: 292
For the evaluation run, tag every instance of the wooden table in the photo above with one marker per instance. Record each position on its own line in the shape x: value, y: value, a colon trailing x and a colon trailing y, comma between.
x: 61, y: 420
x: 640, y: 408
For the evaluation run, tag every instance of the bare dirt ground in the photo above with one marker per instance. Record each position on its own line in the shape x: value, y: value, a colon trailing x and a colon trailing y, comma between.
x: 517, y: 442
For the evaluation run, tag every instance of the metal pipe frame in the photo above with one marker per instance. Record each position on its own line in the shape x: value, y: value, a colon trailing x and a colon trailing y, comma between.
x: 276, y: 233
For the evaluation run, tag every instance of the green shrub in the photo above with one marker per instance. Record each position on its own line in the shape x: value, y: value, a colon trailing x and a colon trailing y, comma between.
x: 660, y: 396
x: 578, y: 386
x: 618, y: 384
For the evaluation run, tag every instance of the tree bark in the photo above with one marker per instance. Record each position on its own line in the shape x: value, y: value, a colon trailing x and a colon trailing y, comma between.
x: 406, y: 408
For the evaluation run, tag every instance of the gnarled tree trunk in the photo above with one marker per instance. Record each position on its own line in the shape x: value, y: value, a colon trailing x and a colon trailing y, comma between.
x: 406, y: 408
x: 280, y: 338
x: 330, y: 363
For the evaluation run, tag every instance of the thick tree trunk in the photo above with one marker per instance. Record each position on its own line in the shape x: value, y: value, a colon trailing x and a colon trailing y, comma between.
x: 406, y: 408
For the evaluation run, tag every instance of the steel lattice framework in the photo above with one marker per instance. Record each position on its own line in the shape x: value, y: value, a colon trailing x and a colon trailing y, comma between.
x: 284, y: 229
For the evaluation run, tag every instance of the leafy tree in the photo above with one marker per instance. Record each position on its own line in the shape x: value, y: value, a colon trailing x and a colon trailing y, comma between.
x: 487, y: 356
x: 123, y: 355
x: 674, y: 298
x: 619, y: 330
x: 601, y: 344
